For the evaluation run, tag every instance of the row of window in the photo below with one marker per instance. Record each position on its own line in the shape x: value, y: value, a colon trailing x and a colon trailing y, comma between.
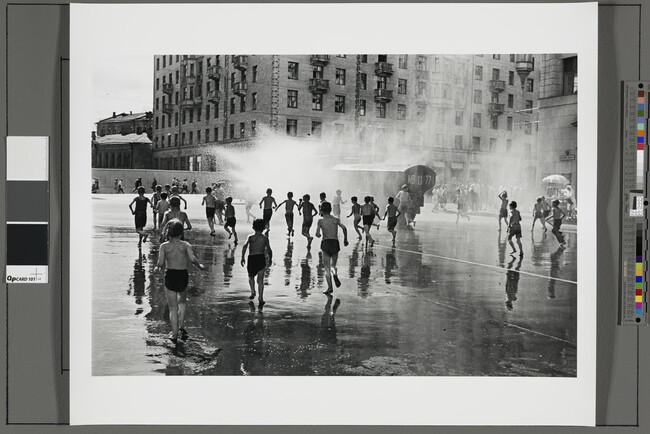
x: 496, y: 76
x: 205, y: 136
x: 120, y: 160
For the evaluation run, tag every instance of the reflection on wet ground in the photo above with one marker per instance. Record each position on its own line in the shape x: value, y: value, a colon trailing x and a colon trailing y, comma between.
x: 447, y: 300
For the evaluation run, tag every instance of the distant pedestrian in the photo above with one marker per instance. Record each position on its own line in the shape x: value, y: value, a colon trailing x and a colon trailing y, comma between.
x: 120, y: 186
x: 115, y: 186
x: 194, y: 187
x: 138, y: 183
x: 154, y: 184
x: 184, y: 189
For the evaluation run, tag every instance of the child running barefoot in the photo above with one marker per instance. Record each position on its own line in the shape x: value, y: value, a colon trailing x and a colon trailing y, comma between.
x: 356, y: 212
x: 538, y: 214
x: 230, y: 219
x: 269, y: 206
x: 174, y: 213
x: 323, y: 198
x: 557, y: 215
x: 210, y: 207
x: 329, y: 225
x: 503, y: 211
x: 155, y: 198
x: 175, y: 193
x: 367, y: 215
x: 288, y: 212
x: 376, y: 210
x: 308, y: 212
x: 259, y: 245
x: 393, y: 213
x: 174, y: 256
x: 514, y: 229
x: 161, y: 208
x: 140, y: 214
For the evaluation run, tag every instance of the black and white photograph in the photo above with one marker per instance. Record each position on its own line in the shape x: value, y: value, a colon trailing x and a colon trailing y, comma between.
x: 412, y: 213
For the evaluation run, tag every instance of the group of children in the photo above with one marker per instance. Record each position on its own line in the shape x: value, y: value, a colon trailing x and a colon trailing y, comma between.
x: 541, y: 211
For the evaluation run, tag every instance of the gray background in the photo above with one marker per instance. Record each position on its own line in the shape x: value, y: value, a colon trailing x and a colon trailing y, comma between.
x: 34, y: 318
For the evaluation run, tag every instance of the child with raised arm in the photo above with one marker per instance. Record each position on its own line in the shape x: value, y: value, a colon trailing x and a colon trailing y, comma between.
x: 174, y: 256
x: 174, y: 213
x: 269, y: 205
x: 230, y: 219
x: 288, y: 212
x: 140, y: 214
x: 259, y: 245
x: 161, y: 208
x: 538, y: 214
x: 367, y: 215
x: 557, y: 215
x: 336, y: 204
x: 155, y: 198
x: 503, y: 211
x: 329, y: 225
x: 514, y: 228
x: 356, y: 212
x: 210, y: 207
x: 175, y: 194
x: 308, y: 212
x: 393, y: 213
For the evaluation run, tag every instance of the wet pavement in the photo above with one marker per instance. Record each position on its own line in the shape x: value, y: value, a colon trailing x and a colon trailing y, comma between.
x: 447, y: 300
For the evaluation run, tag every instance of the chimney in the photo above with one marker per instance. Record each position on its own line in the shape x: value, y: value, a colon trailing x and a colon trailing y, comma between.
x: 92, y: 134
x: 113, y: 114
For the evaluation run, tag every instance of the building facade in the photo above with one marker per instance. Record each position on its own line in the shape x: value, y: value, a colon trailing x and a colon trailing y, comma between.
x: 461, y: 114
x: 558, y: 117
x: 132, y: 123
x: 117, y: 151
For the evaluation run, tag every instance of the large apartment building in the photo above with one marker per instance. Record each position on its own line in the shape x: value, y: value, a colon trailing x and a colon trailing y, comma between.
x: 446, y: 111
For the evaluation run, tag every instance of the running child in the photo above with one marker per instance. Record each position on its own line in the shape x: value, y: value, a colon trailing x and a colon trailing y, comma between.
x: 230, y: 219
x: 557, y: 215
x: 174, y: 256
x: 269, y: 205
x: 367, y: 215
x: 308, y: 212
x: 259, y: 245
x: 220, y: 194
x: 538, y: 214
x: 174, y: 213
x: 503, y: 211
x: 393, y: 213
x: 376, y: 209
x: 176, y: 194
x: 140, y: 214
x: 336, y: 204
x: 248, y: 206
x: 210, y: 207
x: 356, y: 212
x: 323, y: 198
x: 514, y: 229
x: 154, y: 200
x: 161, y: 208
x: 329, y: 225
x: 288, y: 212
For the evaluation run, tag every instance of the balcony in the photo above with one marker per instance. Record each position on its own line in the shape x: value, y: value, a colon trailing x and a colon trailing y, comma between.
x: 168, y: 88
x: 383, y: 69
x: 214, y: 72
x: 383, y: 95
x: 190, y: 103
x: 495, y: 109
x: 240, y: 62
x: 168, y: 108
x: 240, y: 88
x: 213, y: 96
x: 319, y: 59
x: 497, y: 85
x: 319, y: 85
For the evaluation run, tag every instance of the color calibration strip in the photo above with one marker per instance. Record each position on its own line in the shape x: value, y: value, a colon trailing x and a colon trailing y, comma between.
x: 640, y: 138
x: 640, y: 163
x: 27, y: 209
x: 638, y: 287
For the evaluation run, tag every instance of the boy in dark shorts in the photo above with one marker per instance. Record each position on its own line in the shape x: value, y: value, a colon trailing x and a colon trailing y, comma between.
x: 393, y: 213
x: 514, y: 228
x: 503, y: 211
x: 308, y: 212
x: 140, y: 214
x: 288, y: 212
x: 557, y: 215
x: 210, y: 207
x: 356, y: 212
x: 329, y: 225
x: 269, y: 205
x: 174, y: 213
x: 174, y: 256
x: 367, y: 216
x: 259, y: 245
x: 230, y: 219
x: 161, y: 208
x: 155, y: 198
x: 538, y: 214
